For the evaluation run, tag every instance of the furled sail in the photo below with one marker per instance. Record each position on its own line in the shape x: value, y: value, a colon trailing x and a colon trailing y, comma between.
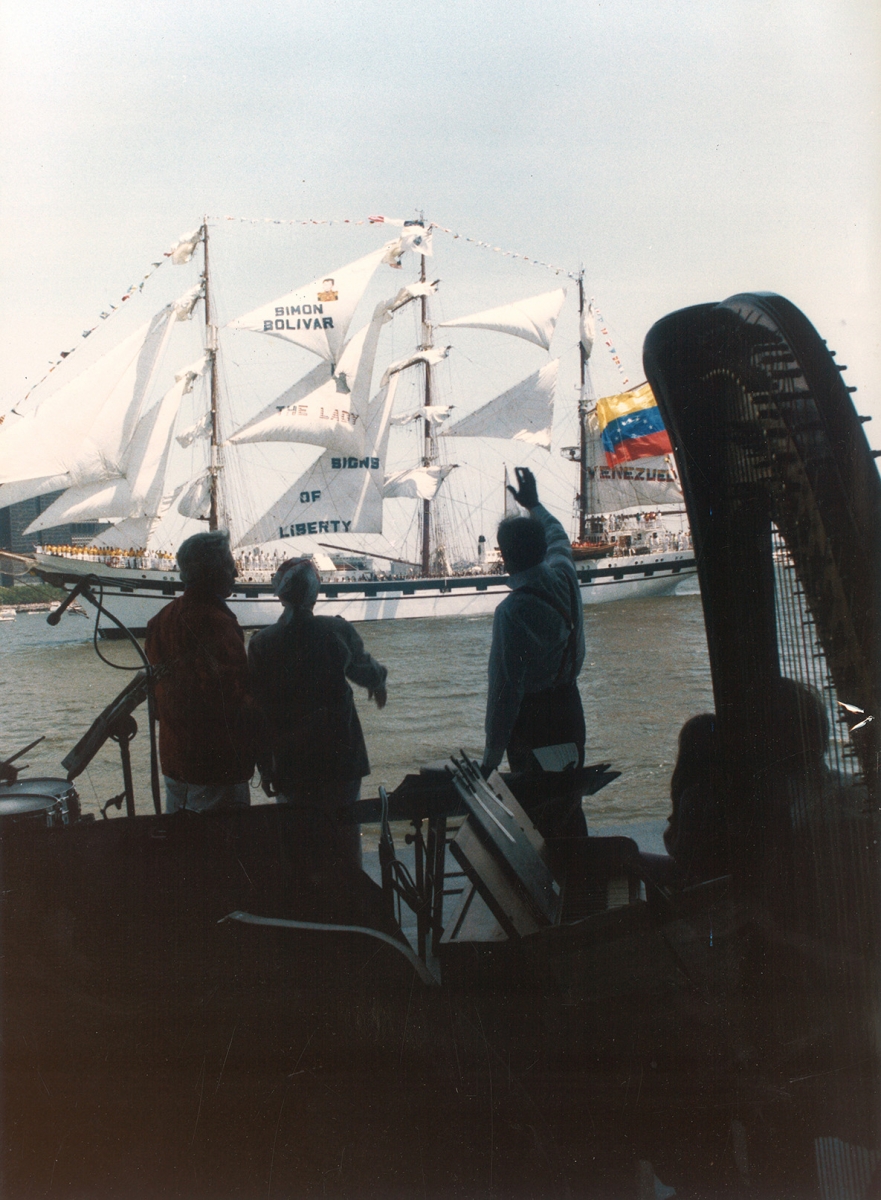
x: 523, y: 413
x: 419, y: 483
x: 435, y: 414
x: 195, y: 502
x: 587, y: 330
x: 533, y: 319
x: 184, y: 248
x: 77, y: 435
x: 411, y: 291
x: 430, y: 357
x: 318, y: 315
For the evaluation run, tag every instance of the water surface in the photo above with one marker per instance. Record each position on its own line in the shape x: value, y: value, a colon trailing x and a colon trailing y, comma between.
x: 645, y: 672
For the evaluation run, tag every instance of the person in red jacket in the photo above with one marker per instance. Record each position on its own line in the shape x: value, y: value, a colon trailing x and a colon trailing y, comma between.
x: 202, y: 700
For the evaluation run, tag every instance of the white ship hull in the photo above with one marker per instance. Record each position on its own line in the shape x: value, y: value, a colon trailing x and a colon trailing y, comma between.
x: 136, y: 596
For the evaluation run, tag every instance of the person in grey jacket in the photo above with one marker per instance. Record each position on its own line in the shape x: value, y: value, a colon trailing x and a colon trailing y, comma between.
x: 538, y: 641
x: 312, y: 749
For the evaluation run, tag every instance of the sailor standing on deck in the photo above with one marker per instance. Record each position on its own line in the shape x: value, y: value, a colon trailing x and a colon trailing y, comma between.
x: 537, y: 650
x: 312, y: 751
x: 205, y: 714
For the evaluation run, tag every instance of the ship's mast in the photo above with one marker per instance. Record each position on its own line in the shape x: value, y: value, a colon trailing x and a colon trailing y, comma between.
x: 584, y: 504
x: 427, y: 432
x: 211, y: 349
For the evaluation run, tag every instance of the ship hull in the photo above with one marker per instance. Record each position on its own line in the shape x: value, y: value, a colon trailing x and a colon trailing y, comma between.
x: 136, y: 596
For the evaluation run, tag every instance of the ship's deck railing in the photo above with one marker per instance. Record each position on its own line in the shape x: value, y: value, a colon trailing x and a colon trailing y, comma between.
x: 255, y: 568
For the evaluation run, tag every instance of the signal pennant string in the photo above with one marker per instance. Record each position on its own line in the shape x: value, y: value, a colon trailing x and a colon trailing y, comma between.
x: 371, y: 220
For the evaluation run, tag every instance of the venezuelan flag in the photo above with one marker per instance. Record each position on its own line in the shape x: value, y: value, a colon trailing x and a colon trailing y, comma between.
x: 631, y: 426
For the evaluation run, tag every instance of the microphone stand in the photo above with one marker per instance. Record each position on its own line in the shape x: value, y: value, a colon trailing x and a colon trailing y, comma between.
x: 84, y: 589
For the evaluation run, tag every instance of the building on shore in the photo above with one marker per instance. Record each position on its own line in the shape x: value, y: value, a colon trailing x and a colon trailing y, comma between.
x: 15, y: 518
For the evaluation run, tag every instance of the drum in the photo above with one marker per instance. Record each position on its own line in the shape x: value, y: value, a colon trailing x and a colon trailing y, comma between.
x: 38, y: 803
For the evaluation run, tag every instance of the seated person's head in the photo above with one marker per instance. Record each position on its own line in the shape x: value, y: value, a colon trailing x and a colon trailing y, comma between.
x: 799, y: 725
x: 296, y: 583
x: 206, y: 563
x: 522, y: 543
x: 698, y: 759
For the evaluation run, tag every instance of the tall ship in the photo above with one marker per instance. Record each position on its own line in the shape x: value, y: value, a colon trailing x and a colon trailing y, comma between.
x: 383, y: 462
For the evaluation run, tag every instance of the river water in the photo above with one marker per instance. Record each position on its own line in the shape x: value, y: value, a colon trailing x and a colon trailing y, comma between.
x: 645, y: 672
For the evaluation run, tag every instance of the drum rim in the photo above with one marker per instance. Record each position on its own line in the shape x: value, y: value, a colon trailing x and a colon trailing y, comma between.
x: 43, y: 804
x: 31, y: 786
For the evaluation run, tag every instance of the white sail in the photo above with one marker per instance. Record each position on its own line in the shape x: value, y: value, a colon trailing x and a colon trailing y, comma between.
x: 78, y: 434
x: 587, y: 331
x: 150, y: 533
x: 317, y: 410
x: 90, y: 502
x: 523, y: 413
x: 318, y: 315
x: 26, y: 489
x: 338, y: 493
x: 139, y: 489
x: 533, y: 319
x: 196, y: 499
x: 419, y: 483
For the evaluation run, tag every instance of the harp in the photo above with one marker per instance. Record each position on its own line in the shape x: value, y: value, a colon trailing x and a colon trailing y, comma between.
x: 784, y: 501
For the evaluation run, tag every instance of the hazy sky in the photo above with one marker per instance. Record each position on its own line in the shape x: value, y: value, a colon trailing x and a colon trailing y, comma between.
x: 682, y: 151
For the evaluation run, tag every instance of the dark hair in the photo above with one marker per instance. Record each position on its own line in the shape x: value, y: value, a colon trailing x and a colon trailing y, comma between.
x: 522, y: 542
x: 695, y: 831
x: 203, y: 558
x: 799, y: 724
x: 698, y: 758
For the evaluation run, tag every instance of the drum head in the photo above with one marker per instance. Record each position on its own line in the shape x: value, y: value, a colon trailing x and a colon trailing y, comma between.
x: 15, y: 806
x: 55, y: 789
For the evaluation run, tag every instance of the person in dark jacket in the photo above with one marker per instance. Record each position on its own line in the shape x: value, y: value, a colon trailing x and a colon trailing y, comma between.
x: 537, y: 651
x: 205, y: 716
x: 312, y: 750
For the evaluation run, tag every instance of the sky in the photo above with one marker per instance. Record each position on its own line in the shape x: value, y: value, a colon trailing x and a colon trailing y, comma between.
x: 680, y: 150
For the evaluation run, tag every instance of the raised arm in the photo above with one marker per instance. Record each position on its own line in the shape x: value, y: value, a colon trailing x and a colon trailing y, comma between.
x: 526, y: 495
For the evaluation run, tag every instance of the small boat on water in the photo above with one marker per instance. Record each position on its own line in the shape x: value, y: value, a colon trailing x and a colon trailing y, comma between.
x: 7, y: 613
x: 152, y: 445
x: 211, y: 1005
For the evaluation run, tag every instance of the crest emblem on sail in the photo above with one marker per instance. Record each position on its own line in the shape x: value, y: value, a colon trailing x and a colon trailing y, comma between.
x: 523, y: 413
x: 534, y: 319
x: 318, y: 315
